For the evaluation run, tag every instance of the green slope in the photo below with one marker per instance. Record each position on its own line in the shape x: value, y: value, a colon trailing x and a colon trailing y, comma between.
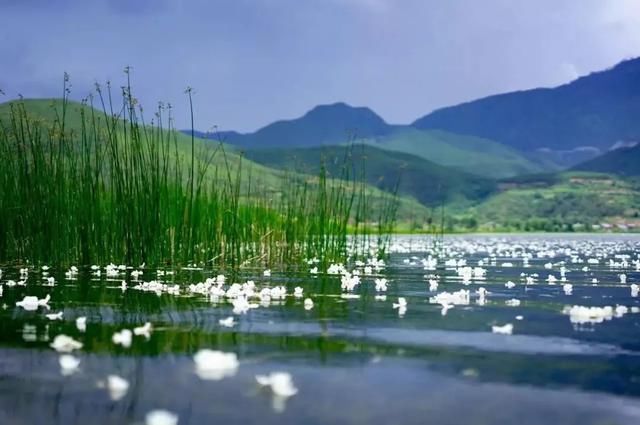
x: 267, y: 179
x: 566, y: 201
x: 623, y: 162
x: 429, y: 183
x: 472, y: 154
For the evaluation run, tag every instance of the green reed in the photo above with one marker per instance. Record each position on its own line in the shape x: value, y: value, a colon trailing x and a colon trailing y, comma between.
x: 103, y: 184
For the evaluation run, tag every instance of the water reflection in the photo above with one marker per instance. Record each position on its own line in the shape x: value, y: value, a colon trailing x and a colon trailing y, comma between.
x: 354, y: 359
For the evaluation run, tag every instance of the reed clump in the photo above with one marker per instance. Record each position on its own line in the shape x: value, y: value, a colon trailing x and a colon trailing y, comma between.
x: 98, y: 183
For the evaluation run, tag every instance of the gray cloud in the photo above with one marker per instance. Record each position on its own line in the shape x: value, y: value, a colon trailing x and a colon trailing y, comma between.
x: 254, y: 61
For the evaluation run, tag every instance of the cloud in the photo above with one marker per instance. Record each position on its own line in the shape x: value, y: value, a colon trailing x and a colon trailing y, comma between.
x: 255, y: 61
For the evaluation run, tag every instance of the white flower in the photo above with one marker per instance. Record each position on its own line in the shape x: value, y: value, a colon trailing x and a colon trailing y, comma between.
x: 280, y: 383
x: 144, y: 330
x: 433, y: 285
x: 68, y: 364
x: 123, y: 338
x: 297, y: 292
x: 81, y: 323
x: 65, y: 344
x: 402, y: 302
x: 505, y: 329
x: 215, y: 365
x: 117, y: 387
x: 381, y: 284
x: 266, y: 273
x: 308, y: 304
x: 31, y: 303
x: 229, y: 322
x: 161, y: 417
x: 567, y: 288
x: 55, y: 316
x: 282, y: 387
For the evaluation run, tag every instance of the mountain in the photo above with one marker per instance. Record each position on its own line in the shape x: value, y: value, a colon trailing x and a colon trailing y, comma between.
x: 623, y: 161
x: 597, y: 111
x: 472, y: 154
x: 340, y: 123
x: 324, y: 124
x: 429, y: 183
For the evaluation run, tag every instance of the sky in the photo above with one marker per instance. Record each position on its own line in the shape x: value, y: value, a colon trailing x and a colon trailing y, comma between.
x: 251, y: 62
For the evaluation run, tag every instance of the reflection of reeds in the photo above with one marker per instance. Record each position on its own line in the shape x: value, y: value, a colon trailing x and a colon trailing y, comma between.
x: 96, y: 185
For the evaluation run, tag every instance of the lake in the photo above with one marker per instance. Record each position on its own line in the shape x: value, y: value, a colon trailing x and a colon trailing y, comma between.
x: 548, y: 332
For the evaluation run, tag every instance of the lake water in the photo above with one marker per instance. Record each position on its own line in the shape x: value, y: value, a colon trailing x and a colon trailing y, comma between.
x: 352, y: 356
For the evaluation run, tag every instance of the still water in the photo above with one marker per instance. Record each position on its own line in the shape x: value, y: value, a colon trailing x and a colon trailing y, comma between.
x: 548, y: 332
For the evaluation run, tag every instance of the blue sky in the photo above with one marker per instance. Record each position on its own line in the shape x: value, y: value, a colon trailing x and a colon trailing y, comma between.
x: 251, y: 62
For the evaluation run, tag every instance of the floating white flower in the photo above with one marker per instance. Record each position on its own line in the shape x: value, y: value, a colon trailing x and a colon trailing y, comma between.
x: 55, y: 316
x: 567, y: 288
x: 308, y: 304
x: 381, y: 284
x: 504, y: 330
x: 581, y: 315
x: 281, y: 384
x: 433, y: 285
x: 229, y: 322
x: 401, y: 305
x: 635, y: 289
x: 31, y: 303
x: 513, y: 302
x: 510, y: 284
x: 65, y: 344
x: 68, y: 364
x: 240, y: 305
x: 123, y: 338
x: 297, y: 292
x: 215, y: 365
x: 117, y: 387
x: 266, y: 273
x: 161, y: 417
x: 81, y: 323
x: 144, y: 330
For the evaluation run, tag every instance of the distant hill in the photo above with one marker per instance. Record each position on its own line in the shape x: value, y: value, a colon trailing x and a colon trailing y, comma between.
x: 474, y: 155
x: 598, y: 110
x: 324, y: 124
x: 623, y: 162
x: 341, y: 124
x: 429, y: 183
x: 570, y: 201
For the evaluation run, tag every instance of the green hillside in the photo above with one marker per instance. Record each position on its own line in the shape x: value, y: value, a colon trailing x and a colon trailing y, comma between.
x: 559, y: 202
x: 472, y: 154
x: 262, y: 177
x: 623, y: 162
x: 427, y: 182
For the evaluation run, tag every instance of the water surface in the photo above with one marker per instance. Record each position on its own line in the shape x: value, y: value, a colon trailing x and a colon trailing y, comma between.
x: 353, y: 358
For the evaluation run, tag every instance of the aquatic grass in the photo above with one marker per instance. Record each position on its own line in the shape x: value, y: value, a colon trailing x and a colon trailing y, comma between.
x: 98, y: 183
